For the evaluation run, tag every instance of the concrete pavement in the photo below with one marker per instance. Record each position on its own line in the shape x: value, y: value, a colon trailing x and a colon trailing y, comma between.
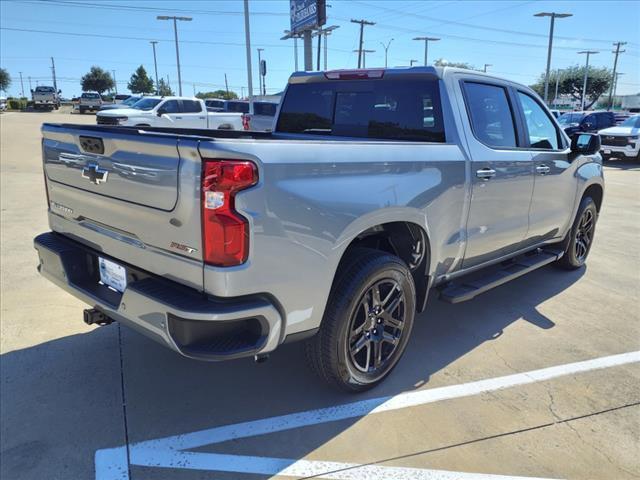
x: 69, y: 391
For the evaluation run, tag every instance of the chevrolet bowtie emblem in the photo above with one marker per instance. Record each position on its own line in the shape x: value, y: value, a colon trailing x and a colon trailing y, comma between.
x: 95, y: 174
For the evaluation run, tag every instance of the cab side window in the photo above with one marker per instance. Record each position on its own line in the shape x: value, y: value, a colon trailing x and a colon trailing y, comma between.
x: 170, y: 106
x: 491, y: 115
x: 541, y: 130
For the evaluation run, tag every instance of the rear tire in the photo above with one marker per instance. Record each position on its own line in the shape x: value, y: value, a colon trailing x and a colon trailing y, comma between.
x: 580, y: 238
x: 367, y: 321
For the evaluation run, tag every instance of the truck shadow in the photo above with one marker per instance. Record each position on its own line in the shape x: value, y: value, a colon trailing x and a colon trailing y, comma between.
x: 72, y: 384
x: 623, y: 164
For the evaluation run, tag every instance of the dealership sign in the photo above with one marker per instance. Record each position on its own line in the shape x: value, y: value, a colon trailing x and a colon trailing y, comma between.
x: 307, y: 14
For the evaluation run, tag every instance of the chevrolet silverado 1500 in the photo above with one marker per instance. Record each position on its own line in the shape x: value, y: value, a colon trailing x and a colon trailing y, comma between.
x: 375, y: 187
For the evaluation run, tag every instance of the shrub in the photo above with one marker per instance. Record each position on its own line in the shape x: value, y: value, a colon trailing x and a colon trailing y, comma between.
x: 17, y: 103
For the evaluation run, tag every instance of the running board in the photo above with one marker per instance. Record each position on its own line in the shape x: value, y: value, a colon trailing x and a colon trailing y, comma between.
x: 471, y: 288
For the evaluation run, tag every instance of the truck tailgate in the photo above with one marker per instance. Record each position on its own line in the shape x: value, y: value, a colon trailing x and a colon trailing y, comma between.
x: 134, y: 197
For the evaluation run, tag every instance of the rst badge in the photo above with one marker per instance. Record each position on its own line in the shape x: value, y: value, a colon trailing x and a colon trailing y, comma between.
x: 95, y: 174
x: 184, y: 248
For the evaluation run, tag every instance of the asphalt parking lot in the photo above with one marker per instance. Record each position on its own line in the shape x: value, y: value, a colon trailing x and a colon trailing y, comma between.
x: 537, y: 378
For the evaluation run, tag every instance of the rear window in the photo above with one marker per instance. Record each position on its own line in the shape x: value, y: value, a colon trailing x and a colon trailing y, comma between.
x: 383, y: 109
x: 268, y: 109
x: 238, y: 107
x: 90, y: 95
x: 45, y: 89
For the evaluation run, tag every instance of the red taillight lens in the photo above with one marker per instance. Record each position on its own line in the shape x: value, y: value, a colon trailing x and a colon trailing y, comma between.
x: 225, y: 233
x: 246, y: 121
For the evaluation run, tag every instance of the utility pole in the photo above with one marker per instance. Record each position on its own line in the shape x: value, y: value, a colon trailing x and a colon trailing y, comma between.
x: 426, y: 45
x: 260, y: 89
x: 613, y: 77
x: 21, y: 85
x: 361, y: 42
x: 553, y: 16
x: 53, y: 72
x: 615, y: 86
x: 168, y: 82
x: 30, y: 87
x: 247, y: 36
x: 155, y: 62
x: 319, y: 34
x: 586, y: 74
x: 194, y: 89
x: 485, y: 67
x: 115, y: 84
x: 175, y: 34
x: 226, y: 84
x: 364, y: 56
x: 386, y: 51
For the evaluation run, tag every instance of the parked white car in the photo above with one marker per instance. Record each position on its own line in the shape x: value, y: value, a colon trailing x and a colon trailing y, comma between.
x: 174, y: 112
x: 622, y: 140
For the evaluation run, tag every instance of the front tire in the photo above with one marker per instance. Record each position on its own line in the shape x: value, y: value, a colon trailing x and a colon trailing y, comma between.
x: 367, y: 321
x: 580, y: 238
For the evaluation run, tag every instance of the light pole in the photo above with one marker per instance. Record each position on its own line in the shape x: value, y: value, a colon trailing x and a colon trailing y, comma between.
x: 586, y: 74
x: 426, y: 45
x: 615, y: 87
x: 555, y: 98
x: 175, y: 33
x: 412, y: 61
x: 21, y: 85
x: 287, y: 35
x: 553, y: 16
x: 155, y: 63
x: 386, y: 51
x: 487, y: 65
x: 320, y: 33
x: 115, y: 84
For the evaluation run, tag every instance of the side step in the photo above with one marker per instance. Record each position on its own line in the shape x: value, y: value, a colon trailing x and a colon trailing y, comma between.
x: 483, y: 281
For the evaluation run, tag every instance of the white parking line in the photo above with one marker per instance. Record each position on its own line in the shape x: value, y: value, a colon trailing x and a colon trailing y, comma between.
x: 169, y: 452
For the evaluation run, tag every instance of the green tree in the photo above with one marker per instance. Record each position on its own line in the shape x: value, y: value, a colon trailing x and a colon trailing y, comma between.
x: 571, y: 80
x: 218, y: 94
x: 441, y: 62
x: 140, y: 81
x: 97, y: 80
x: 164, y: 89
x: 5, y: 79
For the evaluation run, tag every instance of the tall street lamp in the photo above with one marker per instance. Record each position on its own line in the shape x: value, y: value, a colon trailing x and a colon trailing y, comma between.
x: 260, y: 76
x: 155, y: 63
x: 386, y: 51
x: 426, y: 45
x: 485, y: 67
x: 412, y: 61
x: 553, y: 16
x: 175, y: 33
x: 586, y: 74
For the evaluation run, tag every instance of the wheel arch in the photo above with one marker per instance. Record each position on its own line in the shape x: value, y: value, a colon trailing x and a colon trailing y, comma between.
x: 408, y: 239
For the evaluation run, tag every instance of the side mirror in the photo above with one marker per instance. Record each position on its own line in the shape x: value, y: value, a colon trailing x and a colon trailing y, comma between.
x: 585, y: 143
x: 588, y: 125
x: 161, y: 111
x: 59, y: 91
x: 32, y: 90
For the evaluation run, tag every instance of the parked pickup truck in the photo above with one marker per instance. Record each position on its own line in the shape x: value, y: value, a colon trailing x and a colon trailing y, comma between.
x: 45, y: 98
x: 375, y: 187
x: 622, y: 141
x: 90, y: 102
x: 178, y: 112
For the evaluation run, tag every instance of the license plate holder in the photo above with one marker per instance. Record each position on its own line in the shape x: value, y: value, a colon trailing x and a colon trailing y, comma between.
x: 112, y: 274
x: 607, y: 151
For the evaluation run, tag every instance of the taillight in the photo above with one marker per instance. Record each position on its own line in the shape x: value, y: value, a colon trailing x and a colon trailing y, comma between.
x: 225, y: 233
x: 361, y: 74
x: 246, y: 121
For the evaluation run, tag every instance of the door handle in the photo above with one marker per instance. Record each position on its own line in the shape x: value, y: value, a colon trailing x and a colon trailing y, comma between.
x: 543, y: 169
x: 202, y: 118
x: 178, y: 118
x: 485, y: 173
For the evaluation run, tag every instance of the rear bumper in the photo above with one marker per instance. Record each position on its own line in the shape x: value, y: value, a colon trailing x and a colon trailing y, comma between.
x: 181, y: 318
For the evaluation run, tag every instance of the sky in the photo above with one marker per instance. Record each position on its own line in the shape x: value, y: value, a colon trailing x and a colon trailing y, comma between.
x: 115, y: 35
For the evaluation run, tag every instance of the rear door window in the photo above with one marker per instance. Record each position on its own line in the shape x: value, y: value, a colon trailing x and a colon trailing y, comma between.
x: 381, y: 109
x: 491, y: 114
x: 191, y: 106
x: 171, y: 106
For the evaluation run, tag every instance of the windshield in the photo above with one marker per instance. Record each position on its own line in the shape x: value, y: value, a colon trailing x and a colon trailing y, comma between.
x: 571, y: 118
x: 146, y: 104
x: 45, y: 89
x: 130, y: 101
x: 633, y: 122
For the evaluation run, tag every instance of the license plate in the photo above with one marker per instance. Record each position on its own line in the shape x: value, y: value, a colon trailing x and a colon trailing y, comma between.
x: 112, y: 274
x: 607, y: 151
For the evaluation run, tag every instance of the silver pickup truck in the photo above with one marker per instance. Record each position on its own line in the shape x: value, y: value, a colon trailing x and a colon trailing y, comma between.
x: 375, y: 187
